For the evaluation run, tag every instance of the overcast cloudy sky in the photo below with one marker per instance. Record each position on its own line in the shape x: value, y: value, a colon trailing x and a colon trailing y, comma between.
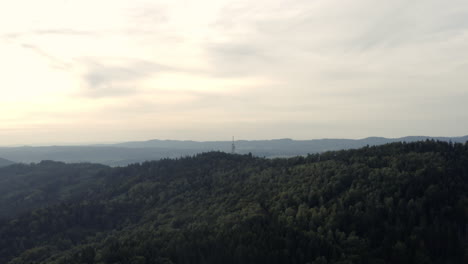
x: 116, y: 70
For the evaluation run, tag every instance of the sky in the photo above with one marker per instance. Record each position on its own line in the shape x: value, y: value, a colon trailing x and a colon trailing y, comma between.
x: 97, y: 71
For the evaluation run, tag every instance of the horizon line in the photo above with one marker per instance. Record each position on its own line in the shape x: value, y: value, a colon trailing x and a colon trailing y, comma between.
x: 101, y: 144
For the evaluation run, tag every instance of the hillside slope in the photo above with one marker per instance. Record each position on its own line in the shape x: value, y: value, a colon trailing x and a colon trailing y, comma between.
x: 26, y: 187
x: 5, y: 162
x: 397, y: 203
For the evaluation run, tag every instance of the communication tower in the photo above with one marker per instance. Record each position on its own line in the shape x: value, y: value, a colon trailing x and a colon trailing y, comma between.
x: 233, y: 147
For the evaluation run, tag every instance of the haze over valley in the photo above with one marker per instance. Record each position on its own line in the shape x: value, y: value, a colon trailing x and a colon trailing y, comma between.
x: 121, y: 154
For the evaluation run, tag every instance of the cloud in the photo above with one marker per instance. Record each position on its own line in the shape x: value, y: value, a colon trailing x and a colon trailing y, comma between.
x: 65, y: 31
x: 53, y: 61
x: 236, y: 59
x: 28, y: 35
x: 27, y: 40
x: 344, y: 58
x: 154, y: 14
x: 116, y: 77
x: 324, y: 40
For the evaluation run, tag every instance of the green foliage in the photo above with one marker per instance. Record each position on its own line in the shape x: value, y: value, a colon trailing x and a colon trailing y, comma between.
x: 397, y: 203
x: 27, y: 187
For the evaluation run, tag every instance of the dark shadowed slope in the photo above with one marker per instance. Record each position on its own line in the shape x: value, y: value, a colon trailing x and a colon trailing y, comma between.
x: 26, y: 187
x: 5, y: 162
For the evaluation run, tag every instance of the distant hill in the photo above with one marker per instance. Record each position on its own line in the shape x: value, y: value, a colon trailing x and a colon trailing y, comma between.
x: 108, y: 155
x: 5, y: 162
x: 122, y: 154
x: 288, y: 147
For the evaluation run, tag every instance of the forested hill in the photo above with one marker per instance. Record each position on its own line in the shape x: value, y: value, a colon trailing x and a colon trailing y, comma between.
x: 396, y: 203
x: 4, y: 162
x: 26, y: 187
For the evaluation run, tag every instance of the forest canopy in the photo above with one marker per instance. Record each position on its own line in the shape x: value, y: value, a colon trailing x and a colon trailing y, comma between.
x: 396, y: 203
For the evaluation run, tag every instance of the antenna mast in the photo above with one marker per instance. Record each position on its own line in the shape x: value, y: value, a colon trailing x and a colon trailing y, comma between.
x: 233, y: 147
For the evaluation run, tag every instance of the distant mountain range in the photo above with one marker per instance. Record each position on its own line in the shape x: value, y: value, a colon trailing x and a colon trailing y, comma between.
x: 131, y: 152
x: 5, y: 162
